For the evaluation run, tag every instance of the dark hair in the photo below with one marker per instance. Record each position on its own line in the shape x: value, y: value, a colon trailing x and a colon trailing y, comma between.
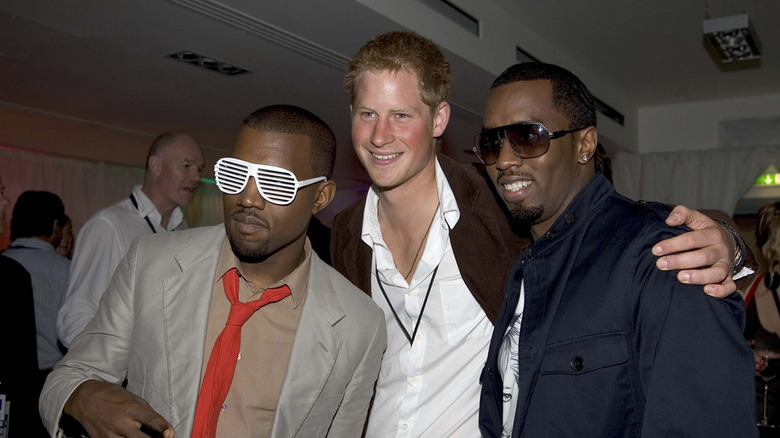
x: 35, y: 214
x: 404, y: 51
x: 768, y: 236
x: 290, y: 119
x: 570, y: 96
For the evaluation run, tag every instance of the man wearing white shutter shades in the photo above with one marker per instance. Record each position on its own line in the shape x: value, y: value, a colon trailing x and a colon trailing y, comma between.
x: 235, y: 330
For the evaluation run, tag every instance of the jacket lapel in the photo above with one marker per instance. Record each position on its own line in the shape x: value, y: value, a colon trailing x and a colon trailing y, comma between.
x: 359, y: 255
x: 314, y: 352
x: 186, y: 300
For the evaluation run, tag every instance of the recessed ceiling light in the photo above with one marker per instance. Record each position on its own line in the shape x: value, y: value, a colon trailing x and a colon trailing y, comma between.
x: 208, y: 63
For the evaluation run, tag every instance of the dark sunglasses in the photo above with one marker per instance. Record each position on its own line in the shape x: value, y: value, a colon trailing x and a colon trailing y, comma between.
x: 527, y: 140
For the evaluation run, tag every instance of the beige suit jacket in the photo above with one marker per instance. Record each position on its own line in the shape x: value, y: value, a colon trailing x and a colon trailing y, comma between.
x: 151, y: 327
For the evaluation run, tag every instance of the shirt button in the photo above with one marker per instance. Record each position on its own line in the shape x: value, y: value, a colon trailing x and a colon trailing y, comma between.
x: 569, y: 218
x: 418, y: 337
x: 239, y: 356
x: 224, y: 408
x: 413, y: 382
x: 577, y: 363
x: 404, y: 426
x: 551, y: 235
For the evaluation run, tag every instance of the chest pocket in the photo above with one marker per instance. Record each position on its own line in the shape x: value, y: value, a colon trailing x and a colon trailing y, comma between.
x: 464, y: 319
x: 585, y: 354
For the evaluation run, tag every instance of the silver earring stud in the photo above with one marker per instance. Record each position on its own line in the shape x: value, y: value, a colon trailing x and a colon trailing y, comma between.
x: 585, y: 158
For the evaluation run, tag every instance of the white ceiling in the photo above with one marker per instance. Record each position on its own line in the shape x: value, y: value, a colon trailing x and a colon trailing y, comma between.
x: 104, y: 61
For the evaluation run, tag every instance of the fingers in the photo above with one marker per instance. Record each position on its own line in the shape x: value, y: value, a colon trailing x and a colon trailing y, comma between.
x: 693, y: 219
x: 710, y: 239
x: 715, y: 279
x: 678, y: 216
x: 722, y: 290
x: 107, y: 410
x: 155, y: 426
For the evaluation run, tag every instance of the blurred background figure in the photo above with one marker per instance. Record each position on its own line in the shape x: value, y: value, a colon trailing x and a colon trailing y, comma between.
x: 173, y: 166
x: 65, y: 247
x: 763, y: 320
x: 19, y: 374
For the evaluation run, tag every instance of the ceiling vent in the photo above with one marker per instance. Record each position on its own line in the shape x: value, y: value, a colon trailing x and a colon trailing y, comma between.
x: 454, y: 14
x: 207, y: 63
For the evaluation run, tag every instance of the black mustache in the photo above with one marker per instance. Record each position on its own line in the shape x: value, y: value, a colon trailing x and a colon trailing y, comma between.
x: 241, y: 214
x: 506, y: 173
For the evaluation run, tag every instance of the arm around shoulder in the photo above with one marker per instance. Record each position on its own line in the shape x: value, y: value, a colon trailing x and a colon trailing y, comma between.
x: 695, y: 366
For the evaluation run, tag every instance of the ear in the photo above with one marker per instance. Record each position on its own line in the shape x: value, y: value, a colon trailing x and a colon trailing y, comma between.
x: 588, y: 139
x: 155, y: 165
x: 56, y: 234
x: 326, y: 190
x: 441, y: 117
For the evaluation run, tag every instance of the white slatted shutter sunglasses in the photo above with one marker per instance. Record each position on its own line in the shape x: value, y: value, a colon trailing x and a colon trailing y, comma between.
x: 275, y: 184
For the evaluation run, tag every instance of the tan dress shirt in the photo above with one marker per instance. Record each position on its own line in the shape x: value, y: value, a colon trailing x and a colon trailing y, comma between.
x: 266, y: 342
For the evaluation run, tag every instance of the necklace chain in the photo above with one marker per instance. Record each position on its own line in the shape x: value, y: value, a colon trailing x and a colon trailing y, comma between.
x: 422, y: 242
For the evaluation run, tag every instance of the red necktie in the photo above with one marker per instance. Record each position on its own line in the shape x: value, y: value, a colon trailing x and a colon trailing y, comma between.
x: 222, y: 362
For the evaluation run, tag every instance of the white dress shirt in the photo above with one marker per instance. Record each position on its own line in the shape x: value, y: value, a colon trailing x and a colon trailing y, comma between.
x: 49, y: 274
x: 431, y: 388
x: 100, y: 245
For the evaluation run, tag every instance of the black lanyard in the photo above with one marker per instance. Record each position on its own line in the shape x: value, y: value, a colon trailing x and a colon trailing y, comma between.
x: 392, y: 309
x: 135, y: 204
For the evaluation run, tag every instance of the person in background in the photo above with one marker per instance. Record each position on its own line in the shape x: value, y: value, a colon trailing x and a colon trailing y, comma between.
x: 65, y: 248
x: 303, y: 359
x: 763, y: 316
x: 173, y: 167
x: 36, y: 230
x: 432, y: 246
x: 593, y: 340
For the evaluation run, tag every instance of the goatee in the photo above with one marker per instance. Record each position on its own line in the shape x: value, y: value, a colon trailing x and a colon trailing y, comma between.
x: 525, y: 215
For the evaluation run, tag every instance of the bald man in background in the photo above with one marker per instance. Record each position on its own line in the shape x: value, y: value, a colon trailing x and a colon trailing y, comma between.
x: 173, y: 167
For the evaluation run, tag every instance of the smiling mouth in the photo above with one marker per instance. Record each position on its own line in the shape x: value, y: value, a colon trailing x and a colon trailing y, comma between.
x: 385, y: 157
x: 517, y: 185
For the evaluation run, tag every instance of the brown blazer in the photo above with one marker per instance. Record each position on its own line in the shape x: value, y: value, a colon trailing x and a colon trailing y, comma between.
x: 483, y: 242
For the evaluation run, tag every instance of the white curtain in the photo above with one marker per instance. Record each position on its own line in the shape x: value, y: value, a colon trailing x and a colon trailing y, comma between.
x: 714, y: 179
x: 86, y: 186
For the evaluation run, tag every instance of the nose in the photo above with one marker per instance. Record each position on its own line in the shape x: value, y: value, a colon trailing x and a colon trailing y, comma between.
x: 250, y: 197
x: 506, y: 157
x: 382, y: 133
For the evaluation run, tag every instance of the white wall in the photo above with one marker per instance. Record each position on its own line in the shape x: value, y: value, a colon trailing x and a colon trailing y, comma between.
x: 694, y: 126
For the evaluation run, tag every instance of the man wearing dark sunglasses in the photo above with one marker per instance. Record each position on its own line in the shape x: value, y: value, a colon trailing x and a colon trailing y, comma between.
x: 592, y: 340
x: 433, y: 248
x: 235, y: 330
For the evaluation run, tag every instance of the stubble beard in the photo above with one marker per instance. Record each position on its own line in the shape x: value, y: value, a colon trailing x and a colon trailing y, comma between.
x: 526, y: 216
x: 246, y: 252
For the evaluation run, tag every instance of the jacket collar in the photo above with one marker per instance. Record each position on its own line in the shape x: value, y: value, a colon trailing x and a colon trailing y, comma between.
x: 584, y: 205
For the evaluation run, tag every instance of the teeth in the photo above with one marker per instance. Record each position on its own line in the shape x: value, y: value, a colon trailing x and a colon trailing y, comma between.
x: 517, y: 185
x: 385, y: 157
